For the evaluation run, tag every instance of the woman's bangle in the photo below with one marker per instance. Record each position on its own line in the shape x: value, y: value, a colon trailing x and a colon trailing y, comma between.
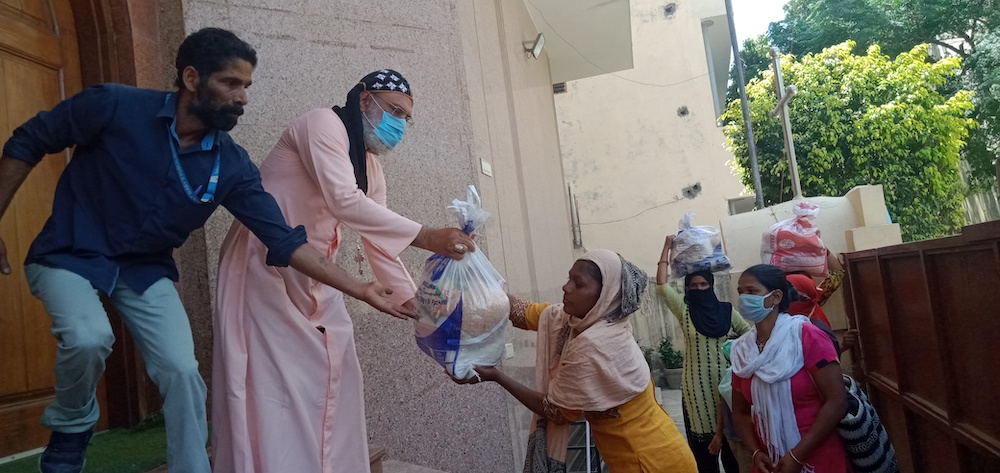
x: 755, y: 452
x: 663, y: 261
x: 795, y: 458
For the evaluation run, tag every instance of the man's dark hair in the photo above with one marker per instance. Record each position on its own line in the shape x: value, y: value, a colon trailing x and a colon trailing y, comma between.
x: 210, y: 50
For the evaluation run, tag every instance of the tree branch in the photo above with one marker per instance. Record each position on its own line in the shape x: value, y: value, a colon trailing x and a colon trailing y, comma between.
x: 948, y: 46
x: 968, y: 39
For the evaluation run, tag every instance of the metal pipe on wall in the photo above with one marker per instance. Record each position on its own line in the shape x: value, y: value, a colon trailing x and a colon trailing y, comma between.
x: 786, y: 125
x: 741, y: 83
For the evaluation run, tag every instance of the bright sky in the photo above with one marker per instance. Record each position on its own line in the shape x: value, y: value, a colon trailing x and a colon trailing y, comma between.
x: 753, y: 16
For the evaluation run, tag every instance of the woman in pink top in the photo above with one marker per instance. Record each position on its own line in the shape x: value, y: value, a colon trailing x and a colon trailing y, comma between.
x: 788, y: 395
x: 287, y: 392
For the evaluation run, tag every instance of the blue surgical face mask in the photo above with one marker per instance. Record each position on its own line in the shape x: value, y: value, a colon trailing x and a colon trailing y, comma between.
x: 390, y: 129
x: 752, y: 307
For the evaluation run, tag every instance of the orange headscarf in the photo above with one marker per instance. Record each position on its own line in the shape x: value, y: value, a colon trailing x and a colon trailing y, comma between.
x: 810, y: 308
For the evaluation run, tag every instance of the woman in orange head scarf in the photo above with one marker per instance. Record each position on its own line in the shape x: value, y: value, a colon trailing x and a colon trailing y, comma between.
x: 808, y: 304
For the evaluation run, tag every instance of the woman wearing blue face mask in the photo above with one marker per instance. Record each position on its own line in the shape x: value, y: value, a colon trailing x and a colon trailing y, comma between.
x: 787, y: 390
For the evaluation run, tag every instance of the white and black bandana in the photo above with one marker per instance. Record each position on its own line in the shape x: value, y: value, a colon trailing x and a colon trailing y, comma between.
x: 387, y: 80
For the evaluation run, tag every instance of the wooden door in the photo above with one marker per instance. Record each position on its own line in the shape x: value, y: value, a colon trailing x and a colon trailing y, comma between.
x: 39, y: 66
x: 927, y: 312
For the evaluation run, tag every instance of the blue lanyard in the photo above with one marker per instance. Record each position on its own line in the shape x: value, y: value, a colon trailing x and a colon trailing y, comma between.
x: 213, y: 181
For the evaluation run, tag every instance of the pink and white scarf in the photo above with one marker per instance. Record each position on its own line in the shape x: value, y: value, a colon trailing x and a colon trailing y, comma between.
x: 770, y: 372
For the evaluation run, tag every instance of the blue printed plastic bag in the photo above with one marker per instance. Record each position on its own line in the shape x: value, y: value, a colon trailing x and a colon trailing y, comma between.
x: 462, y: 304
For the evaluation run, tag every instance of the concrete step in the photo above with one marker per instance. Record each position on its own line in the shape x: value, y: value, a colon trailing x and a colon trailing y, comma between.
x: 375, y: 460
x: 396, y: 466
x: 375, y: 456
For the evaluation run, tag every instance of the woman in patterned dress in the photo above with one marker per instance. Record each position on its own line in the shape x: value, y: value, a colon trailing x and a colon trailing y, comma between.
x: 705, y: 323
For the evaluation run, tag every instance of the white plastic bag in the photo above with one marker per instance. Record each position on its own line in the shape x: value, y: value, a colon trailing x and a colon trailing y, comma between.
x: 697, y: 248
x: 794, y: 244
x: 462, y: 304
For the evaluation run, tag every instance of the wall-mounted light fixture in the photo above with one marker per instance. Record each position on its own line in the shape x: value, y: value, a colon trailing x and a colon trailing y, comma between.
x: 533, y: 49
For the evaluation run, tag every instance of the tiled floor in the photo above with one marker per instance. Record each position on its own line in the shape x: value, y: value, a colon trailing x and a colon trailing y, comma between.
x: 670, y: 399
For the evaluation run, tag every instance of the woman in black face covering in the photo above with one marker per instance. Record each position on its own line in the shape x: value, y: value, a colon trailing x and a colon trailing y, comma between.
x: 705, y: 323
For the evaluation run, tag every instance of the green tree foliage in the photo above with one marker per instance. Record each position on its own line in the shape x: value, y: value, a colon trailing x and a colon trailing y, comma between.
x: 755, y: 59
x: 864, y: 119
x: 896, y: 26
x: 983, y: 77
x: 984, y: 66
x: 811, y: 25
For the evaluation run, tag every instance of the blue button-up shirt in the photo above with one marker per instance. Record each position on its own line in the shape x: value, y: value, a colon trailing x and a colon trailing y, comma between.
x: 120, y: 207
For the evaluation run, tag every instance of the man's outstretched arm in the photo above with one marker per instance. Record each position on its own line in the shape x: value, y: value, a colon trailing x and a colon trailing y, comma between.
x: 13, y: 172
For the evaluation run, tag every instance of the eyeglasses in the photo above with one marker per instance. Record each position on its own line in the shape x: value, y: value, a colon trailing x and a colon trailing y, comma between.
x: 395, y: 110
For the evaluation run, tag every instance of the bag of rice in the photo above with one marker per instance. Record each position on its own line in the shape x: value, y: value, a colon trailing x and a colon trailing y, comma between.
x: 462, y: 304
x: 794, y: 244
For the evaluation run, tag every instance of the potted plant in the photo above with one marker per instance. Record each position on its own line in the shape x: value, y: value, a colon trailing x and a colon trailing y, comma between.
x: 655, y: 366
x: 673, y: 363
x: 647, y: 353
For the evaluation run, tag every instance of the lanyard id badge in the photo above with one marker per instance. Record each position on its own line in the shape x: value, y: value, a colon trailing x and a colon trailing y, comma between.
x: 213, y: 180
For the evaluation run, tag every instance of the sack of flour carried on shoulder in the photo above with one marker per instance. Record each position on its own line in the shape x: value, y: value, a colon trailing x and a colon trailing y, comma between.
x: 462, y: 306
x: 697, y: 248
x: 794, y: 244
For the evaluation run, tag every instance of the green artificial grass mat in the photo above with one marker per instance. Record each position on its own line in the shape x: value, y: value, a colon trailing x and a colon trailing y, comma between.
x: 135, y: 450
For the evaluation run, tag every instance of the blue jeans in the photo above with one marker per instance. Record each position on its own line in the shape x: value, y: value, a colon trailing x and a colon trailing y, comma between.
x: 158, y: 323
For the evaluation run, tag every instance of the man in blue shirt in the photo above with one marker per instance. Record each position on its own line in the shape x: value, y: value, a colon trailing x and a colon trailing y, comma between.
x: 149, y: 168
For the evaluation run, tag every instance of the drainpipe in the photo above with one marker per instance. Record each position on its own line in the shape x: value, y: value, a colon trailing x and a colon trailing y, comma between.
x: 574, y: 218
x: 741, y: 82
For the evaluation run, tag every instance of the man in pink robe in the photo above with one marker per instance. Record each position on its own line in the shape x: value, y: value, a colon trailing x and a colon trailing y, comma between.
x: 286, y: 381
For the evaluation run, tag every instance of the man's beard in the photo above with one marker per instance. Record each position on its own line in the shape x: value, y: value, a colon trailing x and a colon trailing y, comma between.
x: 217, y: 117
x: 373, y: 143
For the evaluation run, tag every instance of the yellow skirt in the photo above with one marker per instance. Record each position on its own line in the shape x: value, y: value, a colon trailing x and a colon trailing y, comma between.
x: 643, y: 439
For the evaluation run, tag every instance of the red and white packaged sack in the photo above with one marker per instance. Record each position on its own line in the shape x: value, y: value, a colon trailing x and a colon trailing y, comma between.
x: 794, y: 244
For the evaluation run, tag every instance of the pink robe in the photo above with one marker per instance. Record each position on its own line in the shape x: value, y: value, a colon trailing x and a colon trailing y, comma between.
x: 287, y: 397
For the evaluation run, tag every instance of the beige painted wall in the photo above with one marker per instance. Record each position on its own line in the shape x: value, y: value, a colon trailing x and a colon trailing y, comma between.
x: 626, y: 150
x: 513, y: 116
x: 477, y: 98
x: 857, y: 221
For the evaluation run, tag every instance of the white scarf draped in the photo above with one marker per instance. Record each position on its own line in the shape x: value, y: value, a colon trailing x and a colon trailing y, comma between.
x: 770, y: 372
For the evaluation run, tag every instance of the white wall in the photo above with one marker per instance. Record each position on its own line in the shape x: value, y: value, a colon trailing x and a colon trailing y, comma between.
x: 514, y: 123
x: 627, y: 151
